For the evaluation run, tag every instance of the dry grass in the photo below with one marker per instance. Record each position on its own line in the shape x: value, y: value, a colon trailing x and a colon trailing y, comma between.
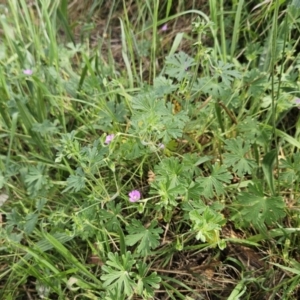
x: 105, y: 27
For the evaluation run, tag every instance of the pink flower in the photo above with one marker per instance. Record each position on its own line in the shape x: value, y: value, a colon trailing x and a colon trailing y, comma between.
x: 164, y: 28
x: 161, y: 146
x: 297, y: 101
x: 109, y: 138
x: 27, y: 72
x: 134, y: 196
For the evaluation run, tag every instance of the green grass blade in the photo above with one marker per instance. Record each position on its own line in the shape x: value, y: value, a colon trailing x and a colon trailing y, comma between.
x: 236, y: 28
x: 70, y: 257
x: 125, y: 55
x: 268, y: 167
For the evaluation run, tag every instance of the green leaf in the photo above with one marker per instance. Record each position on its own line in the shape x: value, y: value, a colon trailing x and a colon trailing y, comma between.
x: 68, y: 146
x: 254, y: 132
x: 178, y: 64
x: 296, y: 3
x: 193, y: 191
x: 191, y: 162
x: 215, y: 182
x: 208, y: 224
x: 110, y: 216
x: 267, y: 166
x: 2, y: 180
x: 209, y: 86
x: 92, y: 158
x: 238, y: 291
x: 122, y: 241
x: 75, y: 183
x: 180, y: 173
x: 154, y: 120
x: 112, y: 113
x: 118, y: 272
x: 45, y: 128
x: 173, y: 125
x: 36, y: 180
x: 148, y: 102
x: 257, y: 209
x: 146, y: 285
x: 57, y: 244
x: 167, y: 191
x: 30, y: 222
x: 257, y: 82
x: 40, y: 203
x: 113, y: 294
x: 163, y: 86
x: 132, y: 149
x: 14, y: 218
x: 148, y: 237
x: 170, y: 167
x: 239, y: 149
x: 291, y: 168
x: 226, y: 72
x: 288, y: 269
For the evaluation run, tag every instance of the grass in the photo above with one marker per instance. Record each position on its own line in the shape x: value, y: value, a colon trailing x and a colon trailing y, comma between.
x: 197, y: 117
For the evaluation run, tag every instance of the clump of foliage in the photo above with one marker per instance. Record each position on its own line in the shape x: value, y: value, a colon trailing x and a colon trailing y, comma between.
x: 107, y: 177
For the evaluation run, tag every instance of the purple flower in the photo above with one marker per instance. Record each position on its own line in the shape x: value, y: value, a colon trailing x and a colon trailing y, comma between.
x: 164, y: 28
x: 161, y: 146
x: 27, y: 72
x: 297, y: 101
x: 109, y: 138
x: 134, y: 196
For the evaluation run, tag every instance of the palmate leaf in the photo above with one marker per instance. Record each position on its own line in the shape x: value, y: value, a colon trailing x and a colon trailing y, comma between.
x: 112, y: 294
x: 148, y: 237
x: 36, y: 179
x: 146, y: 284
x: 191, y: 162
x: 209, y: 86
x: 167, y: 191
x: 110, y: 215
x: 118, y: 273
x: 193, y: 191
x: 250, y: 128
x: 148, y: 102
x: 238, y: 149
x: 257, y: 209
x: 172, y: 125
x: 76, y: 182
x: 45, y: 128
x: 291, y: 168
x: 208, y: 224
x: 257, y: 82
x: 255, y: 132
x: 226, y: 72
x: 154, y: 119
x: 92, y: 156
x: 170, y: 167
x: 215, y: 182
x: 111, y: 113
x: 163, y: 86
x: 177, y: 65
x: 30, y: 222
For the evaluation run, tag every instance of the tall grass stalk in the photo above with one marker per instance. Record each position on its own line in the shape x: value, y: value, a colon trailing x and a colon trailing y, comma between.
x: 275, y: 93
x: 237, y: 27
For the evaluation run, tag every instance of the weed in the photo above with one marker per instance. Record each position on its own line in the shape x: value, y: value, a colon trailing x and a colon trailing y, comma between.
x: 118, y: 185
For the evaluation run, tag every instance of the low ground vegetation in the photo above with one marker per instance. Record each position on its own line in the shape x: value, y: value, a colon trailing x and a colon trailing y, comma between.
x: 149, y: 150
